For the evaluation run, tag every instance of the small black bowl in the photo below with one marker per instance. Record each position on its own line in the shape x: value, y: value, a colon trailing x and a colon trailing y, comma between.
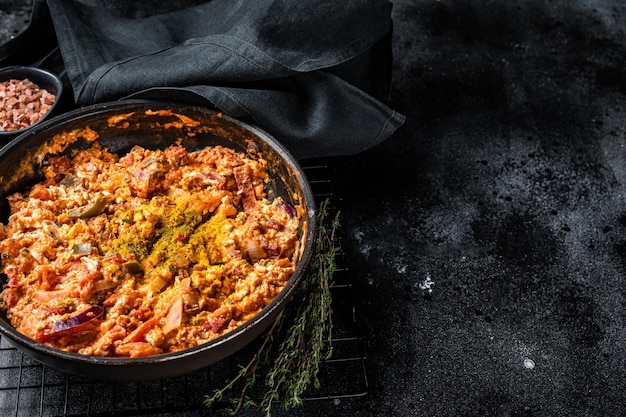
x: 43, y: 79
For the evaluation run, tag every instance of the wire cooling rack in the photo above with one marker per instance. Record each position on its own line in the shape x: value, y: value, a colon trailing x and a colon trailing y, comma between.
x: 29, y: 389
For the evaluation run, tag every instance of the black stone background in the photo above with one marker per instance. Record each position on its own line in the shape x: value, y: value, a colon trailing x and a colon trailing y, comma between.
x: 505, y: 188
x: 487, y: 237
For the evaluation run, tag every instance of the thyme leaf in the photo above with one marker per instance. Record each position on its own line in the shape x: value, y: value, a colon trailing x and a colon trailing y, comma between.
x: 288, y: 359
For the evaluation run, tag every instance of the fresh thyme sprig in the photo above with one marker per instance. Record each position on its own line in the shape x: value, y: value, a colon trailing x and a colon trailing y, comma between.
x: 298, y: 340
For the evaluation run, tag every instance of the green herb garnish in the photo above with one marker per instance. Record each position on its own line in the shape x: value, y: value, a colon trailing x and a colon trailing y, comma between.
x: 289, y: 357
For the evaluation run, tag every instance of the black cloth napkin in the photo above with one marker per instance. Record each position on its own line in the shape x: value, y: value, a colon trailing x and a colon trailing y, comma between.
x: 314, y: 74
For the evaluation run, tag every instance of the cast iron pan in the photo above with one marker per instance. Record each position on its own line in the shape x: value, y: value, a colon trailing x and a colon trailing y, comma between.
x: 198, y: 127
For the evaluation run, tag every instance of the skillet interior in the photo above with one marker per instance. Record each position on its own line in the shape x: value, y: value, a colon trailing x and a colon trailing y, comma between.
x: 198, y: 127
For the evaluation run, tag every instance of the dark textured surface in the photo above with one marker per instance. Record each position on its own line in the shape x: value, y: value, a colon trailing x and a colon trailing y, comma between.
x: 488, y: 235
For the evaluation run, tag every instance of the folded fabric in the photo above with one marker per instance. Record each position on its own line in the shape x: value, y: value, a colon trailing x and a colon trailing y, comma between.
x: 313, y: 74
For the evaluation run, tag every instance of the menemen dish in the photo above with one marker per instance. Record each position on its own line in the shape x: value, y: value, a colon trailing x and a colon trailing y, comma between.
x: 150, y: 252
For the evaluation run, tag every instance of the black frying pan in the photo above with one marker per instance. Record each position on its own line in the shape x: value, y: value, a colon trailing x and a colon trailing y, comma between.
x: 21, y: 158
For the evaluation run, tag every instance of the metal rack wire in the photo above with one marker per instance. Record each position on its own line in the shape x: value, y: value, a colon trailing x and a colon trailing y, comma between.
x: 29, y: 389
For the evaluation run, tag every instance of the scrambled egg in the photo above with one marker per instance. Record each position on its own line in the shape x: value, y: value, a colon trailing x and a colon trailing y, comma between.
x: 151, y: 252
